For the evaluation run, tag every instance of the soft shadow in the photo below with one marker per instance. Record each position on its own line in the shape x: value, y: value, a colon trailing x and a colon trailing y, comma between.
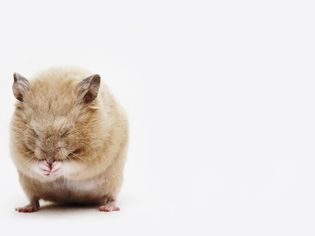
x: 66, y: 208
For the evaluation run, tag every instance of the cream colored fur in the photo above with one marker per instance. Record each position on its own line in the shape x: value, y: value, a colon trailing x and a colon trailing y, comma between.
x: 88, y: 141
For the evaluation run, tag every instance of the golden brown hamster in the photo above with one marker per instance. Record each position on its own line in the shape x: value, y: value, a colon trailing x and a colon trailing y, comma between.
x: 68, y: 139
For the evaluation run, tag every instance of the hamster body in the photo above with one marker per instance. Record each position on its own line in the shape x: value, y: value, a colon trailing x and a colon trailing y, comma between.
x: 69, y: 139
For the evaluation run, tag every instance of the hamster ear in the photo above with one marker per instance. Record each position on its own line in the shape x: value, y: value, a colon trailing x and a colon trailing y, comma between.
x: 20, y: 86
x: 88, y: 88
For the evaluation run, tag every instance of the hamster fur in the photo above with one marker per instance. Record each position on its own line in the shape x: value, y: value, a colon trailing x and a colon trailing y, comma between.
x: 69, y: 139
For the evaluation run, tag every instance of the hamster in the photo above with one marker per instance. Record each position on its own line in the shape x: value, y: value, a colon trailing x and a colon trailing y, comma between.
x: 69, y: 139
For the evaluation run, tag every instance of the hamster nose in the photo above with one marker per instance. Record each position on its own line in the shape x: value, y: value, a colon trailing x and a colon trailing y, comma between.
x: 50, y: 161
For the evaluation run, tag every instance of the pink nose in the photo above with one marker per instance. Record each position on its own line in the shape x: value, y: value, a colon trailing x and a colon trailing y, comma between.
x: 50, y: 161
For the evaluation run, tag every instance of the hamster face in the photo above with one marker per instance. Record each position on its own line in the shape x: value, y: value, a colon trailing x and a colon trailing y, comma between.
x: 54, y: 142
x: 54, y: 124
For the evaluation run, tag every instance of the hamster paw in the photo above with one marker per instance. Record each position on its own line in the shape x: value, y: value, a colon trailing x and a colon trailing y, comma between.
x: 108, y: 207
x: 32, y: 207
x: 27, y: 209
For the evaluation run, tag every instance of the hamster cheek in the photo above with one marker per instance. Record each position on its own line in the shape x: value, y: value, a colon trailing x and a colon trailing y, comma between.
x: 72, y: 168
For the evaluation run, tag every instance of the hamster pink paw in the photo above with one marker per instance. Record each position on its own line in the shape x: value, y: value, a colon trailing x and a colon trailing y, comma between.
x: 111, y: 206
x: 44, y: 167
x: 27, y: 209
x: 50, y: 169
x: 56, y: 167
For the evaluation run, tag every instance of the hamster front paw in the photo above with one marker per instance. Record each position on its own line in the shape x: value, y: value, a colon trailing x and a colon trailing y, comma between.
x: 48, y: 169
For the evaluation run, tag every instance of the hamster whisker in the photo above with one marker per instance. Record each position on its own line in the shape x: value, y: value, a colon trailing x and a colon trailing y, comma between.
x: 64, y: 156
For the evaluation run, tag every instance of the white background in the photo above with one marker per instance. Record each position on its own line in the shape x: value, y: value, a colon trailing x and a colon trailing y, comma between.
x: 220, y: 96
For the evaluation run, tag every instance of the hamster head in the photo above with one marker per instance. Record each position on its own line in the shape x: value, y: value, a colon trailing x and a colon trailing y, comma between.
x: 55, y: 123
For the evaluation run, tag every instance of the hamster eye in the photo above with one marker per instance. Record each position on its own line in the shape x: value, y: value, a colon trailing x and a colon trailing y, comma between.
x: 64, y: 133
x: 35, y: 133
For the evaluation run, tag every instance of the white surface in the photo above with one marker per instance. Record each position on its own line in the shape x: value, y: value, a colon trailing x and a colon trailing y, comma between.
x: 220, y: 96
